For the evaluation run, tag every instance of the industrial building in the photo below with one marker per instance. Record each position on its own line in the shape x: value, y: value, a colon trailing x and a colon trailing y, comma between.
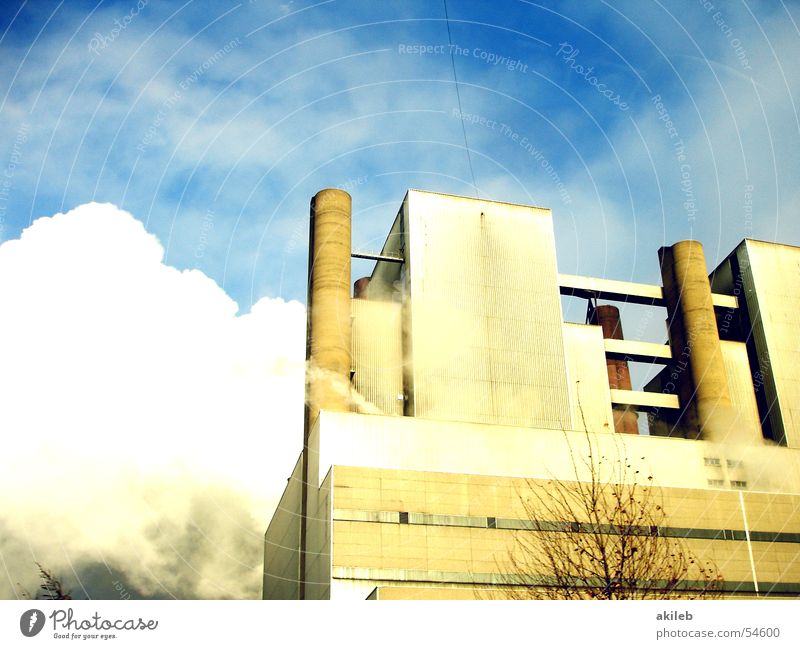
x: 446, y: 385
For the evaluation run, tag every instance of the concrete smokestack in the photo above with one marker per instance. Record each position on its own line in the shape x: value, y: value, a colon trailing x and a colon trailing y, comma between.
x: 329, y: 326
x: 701, y: 383
x: 619, y: 376
x: 328, y: 337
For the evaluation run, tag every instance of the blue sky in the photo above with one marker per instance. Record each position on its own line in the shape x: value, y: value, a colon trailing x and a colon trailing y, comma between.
x: 311, y: 95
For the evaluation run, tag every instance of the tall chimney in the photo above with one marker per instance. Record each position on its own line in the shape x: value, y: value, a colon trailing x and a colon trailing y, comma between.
x: 328, y: 338
x: 619, y: 376
x: 701, y: 381
x: 360, y: 288
x: 329, y: 326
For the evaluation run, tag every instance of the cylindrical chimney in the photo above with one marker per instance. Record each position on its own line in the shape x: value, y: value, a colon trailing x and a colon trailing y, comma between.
x: 619, y: 376
x: 702, y: 383
x: 360, y: 287
x: 329, y: 308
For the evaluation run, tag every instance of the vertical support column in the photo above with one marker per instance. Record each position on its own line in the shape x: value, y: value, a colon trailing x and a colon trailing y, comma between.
x: 328, y: 336
x: 619, y: 376
x: 699, y: 372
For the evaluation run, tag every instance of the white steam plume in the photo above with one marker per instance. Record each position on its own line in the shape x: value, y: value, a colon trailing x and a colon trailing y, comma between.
x: 146, y: 426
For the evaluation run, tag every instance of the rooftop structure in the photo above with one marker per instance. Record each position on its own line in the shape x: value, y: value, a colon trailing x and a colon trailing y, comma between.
x: 445, y: 387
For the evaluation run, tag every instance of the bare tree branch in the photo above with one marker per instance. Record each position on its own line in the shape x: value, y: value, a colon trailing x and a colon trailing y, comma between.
x: 600, y: 536
x: 51, y: 587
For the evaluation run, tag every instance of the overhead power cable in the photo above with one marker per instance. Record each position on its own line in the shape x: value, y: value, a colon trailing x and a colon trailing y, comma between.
x: 458, y: 97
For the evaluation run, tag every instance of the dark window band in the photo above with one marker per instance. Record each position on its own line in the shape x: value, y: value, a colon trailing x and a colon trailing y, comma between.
x: 492, y: 522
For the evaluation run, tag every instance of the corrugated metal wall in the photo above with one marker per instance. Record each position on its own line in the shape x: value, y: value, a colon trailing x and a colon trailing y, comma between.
x: 378, y: 354
x: 485, y: 317
x: 588, y: 378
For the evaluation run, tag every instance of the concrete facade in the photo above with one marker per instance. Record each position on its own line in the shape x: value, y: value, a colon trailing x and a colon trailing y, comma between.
x: 764, y: 277
x: 469, y: 391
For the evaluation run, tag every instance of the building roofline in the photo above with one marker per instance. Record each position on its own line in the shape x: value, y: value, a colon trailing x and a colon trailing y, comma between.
x: 472, y: 198
x: 771, y: 243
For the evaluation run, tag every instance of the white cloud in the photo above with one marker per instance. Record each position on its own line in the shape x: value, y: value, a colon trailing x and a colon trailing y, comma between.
x: 139, y: 411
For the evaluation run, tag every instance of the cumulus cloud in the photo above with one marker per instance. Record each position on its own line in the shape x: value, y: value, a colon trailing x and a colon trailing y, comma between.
x: 147, y: 427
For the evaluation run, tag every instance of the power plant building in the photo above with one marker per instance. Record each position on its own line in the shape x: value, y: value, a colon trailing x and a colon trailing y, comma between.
x: 448, y: 383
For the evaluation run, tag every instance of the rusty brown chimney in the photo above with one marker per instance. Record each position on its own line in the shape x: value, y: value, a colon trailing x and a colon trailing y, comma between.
x: 619, y: 376
x: 360, y: 288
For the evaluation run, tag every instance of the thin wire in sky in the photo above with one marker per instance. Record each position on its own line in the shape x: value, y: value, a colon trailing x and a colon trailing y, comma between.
x: 458, y: 97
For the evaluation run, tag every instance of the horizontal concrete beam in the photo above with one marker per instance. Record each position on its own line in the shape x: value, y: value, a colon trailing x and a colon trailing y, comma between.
x: 610, y: 289
x: 644, y: 400
x: 637, y: 351
x: 618, y: 291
